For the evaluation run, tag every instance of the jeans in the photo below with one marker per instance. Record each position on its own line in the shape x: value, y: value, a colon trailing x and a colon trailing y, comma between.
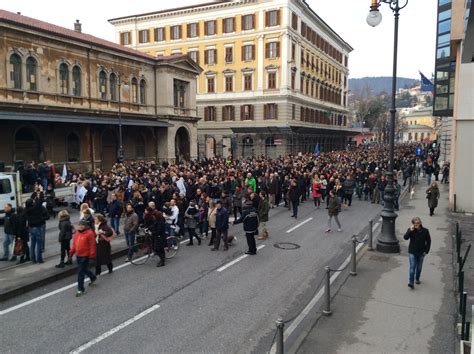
x: 130, y: 238
x: 65, y: 248
x: 43, y: 235
x: 416, y: 264
x: 9, y: 239
x: 428, y: 178
x: 251, y: 242
x: 295, y: 208
x: 82, y: 271
x: 44, y: 183
x: 115, y: 223
x: 217, y: 241
x: 335, y: 218
x: 169, y: 230
x: 36, y: 237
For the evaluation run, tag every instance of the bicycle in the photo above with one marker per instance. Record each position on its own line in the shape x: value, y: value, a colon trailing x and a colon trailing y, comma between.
x: 143, y: 249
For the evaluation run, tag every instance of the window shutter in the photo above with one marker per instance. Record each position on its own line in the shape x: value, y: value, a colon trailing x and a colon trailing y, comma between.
x: 188, y: 32
x: 205, y: 114
x: 265, y: 111
x: 253, y: 52
x: 233, y: 24
x: 180, y: 34
x: 205, y: 28
x: 232, y: 111
x: 278, y: 17
x: 197, y: 29
x: 278, y: 49
x: 243, y: 53
x: 267, y: 50
x: 215, y: 56
x: 267, y: 16
x: 242, y: 112
x: 206, y: 57
x: 251, y: 112
x: 276, y: 111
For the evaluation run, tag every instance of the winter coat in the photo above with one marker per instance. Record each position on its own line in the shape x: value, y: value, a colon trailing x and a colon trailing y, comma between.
x: 130, y: 224
x: 115, y: 209
x: 273, y: 186
x: 104, y: 251
x: 348, y: 186
x: 334, y: 206
x: 316, y: 190
x: 83, y: 244
x: 21, y: 226
x: 65, y: 229
x: 9, y: 223
x: 420, y: 240
x: 222, y: 219
x: 190, y: 217
x: 36, y: 214
x: 263, y: 209
x: 237, y: 198
x: 250, y: 220
x: 432, y: 194
x: 295, y: 194
x: 211, y: 217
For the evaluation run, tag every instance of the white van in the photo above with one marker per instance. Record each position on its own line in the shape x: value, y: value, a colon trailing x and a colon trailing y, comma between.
x: 7, y: 193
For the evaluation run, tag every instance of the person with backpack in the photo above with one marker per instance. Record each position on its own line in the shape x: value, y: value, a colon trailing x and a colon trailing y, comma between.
x: 251, y: 222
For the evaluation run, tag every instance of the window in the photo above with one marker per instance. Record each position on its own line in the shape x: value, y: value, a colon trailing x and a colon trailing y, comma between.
x: 246, y: 112
x: 293, y: 111
x: 293, y: 80
x: 194, y: 55
x: 229, y: 83
x: 142, y: 91
x: 31, y: 67
x: 444, y: 39
x: 211, y: 84
x: 180, y: 93
x: 134, y: 90
x: 73, y: 148
x: 271, y: 81
x: 270, y: 111
x: 210, y: 114
x: 210, y: 56
x: 444, y: 26
x: 294, y: 21
x: 442, y: 52
x: 64, y: 79
x: 159, y: 34
x: 15, y: 73
x: 143, y: 36
x: 229, y: 25
x: 113, y: 87
x: 248, y: 82
x: 293, y: 51
x: 248, y: 52
x: 76, y: 81
x: 229, y: 54
x: 193, y: 30
x: 272, y: 50
x: 228, y: 113
x: 210, y: 28
x: 248, y: 22
x: 444, y: 15
x: 272, y: 18
x: 176, y: 32
x: 125, y: 38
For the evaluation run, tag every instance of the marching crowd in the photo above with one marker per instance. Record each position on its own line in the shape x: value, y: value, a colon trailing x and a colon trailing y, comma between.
x: 196, y: 199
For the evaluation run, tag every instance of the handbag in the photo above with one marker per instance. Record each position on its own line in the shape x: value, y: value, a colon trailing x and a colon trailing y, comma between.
x: 18, y: 249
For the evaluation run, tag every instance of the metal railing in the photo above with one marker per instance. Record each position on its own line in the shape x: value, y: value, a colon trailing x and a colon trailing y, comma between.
x: 461, y: 260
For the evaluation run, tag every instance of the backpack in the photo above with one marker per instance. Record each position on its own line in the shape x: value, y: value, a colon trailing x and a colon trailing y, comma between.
x: 251, y: 222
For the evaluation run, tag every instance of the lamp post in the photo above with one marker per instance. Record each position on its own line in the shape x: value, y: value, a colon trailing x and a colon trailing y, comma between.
x: 387, y: 242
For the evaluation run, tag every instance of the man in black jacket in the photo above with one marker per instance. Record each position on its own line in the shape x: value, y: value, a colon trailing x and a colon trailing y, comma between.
x: 251, y: 222
x: 36, y: 214
x: 420, y: 243
x: 9, y: 225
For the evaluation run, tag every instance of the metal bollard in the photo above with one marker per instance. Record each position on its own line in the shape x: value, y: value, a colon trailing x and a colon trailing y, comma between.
x: 463, y: 315
x: 460, y: 289
x: 371, y: 236
x: 353, y: 271
x: 327, y: 291
x: 454, y: 202
x: 279, y: 338
x: 468, y: 331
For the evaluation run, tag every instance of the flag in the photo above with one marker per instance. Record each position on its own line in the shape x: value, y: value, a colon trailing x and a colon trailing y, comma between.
x: 64, y: 175
x: 426, y: 85
x: 316, y: 150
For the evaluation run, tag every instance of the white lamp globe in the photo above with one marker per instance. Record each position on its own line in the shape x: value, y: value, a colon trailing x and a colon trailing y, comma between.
x: 374, y: 18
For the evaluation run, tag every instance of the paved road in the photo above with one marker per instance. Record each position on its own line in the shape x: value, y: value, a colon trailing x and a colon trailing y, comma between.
x: 189, y: 305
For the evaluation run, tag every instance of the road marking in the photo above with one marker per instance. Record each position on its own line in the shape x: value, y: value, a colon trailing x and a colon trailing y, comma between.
x: 300, y: 224
x: 230, y: 264
x: 375, y: 226
x: 114, y: 330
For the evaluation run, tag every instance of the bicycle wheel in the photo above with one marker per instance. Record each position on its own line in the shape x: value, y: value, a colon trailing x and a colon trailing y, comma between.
x: 172, y: 247
x: 141, y: 252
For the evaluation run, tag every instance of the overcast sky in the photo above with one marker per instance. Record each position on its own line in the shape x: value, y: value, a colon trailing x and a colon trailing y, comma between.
x: 373, y: 47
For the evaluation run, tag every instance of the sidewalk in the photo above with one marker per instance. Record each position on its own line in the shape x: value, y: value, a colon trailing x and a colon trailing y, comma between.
x: 376, y: 312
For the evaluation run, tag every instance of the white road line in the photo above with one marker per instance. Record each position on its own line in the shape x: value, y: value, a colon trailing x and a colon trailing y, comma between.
x: 230, y: 264
x: 114, y: 330
x: 300, y: 224
x: 375, y: 226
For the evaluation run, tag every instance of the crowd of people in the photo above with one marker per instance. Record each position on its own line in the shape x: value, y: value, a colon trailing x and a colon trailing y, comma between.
x: 196, y: 198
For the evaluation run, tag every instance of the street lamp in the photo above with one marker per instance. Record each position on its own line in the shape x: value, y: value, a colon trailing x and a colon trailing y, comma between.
x: 387, y: 242
x: 121, y: 153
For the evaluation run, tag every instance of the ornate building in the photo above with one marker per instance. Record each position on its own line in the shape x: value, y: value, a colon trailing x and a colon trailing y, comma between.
x: 274, y: 78
x: 69, y: 97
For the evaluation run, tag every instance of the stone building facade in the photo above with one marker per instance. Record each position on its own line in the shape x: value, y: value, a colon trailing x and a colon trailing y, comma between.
x: 72, y: 98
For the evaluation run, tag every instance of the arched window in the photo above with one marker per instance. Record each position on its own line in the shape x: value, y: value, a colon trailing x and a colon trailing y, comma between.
x: 113, y: 87
x: 142, y: 91
x: 134, y: 90
x: 63, y: 79
x: 103, y: 85
x: 73, y: 148
x: 76, y: 81
x: 31, y: 75
x: 15, y: 73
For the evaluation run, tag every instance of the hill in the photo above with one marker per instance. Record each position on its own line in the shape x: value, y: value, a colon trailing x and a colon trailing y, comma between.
x: 380, y: 84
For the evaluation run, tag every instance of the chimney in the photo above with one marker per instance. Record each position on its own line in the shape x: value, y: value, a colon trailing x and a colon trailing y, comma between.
x: 78, y: 26
x: 18, y: 13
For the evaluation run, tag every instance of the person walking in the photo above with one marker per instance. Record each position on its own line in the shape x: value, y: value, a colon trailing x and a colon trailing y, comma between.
x: 222, y: 227
x: 65, y: 236
x: 115, y: 211
x: 84, y: 247
x: 104, y: 234
x: 190, y: 222
x: 23, y: 234
x: 263, y: 210
x: 36, y: 215
x: 432, y: 194
x: 130, y: 228
x: 155, y: 222
x: 418, y: 248
x: 316, y: 192
x: 211, y: 219
x: 334, y: 206
x: 294, y: 196
x: 9, y: 228
x: 250, y: 222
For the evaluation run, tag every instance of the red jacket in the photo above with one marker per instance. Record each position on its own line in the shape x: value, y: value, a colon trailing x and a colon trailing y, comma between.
x: 83, y: 244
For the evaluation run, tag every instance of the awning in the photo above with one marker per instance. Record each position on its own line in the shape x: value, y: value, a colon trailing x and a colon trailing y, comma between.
x: 80, y: 119
x: 296, y: 129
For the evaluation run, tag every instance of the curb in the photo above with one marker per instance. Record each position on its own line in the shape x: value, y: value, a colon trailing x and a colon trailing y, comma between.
x: 22, y: 289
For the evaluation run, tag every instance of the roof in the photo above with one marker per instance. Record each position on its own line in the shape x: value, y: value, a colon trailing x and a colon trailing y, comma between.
x: 417, y: 126
x: 424, y: 112
x: 28, y: 22
x: 170, y: 10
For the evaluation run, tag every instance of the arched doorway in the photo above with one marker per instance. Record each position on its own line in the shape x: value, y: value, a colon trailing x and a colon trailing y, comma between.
x: 109, y: 149
x: 247, y: 147
x: 182, y: 145
x: 210, y: 147
x: 27, y: 145
x: 270, y: 148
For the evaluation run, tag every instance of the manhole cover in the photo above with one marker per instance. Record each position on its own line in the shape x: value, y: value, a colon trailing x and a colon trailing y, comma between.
x: 379, y: 258
x: 286, y: 246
